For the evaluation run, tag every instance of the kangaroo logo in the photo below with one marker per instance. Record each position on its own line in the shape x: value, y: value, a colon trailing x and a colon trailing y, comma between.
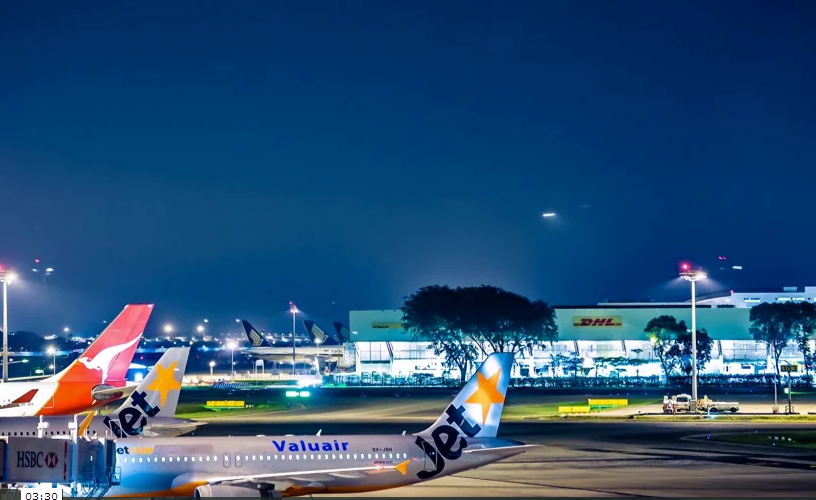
x: 255, y: 337
x: 451, y: 446
x: 103, y: 360
x: 131, y: 421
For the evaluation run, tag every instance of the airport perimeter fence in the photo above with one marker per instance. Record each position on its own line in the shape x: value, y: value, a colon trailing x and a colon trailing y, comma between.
x: 581, y: 381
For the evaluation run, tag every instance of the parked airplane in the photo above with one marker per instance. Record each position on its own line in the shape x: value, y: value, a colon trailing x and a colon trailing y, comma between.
x: 462, y: 438
x: 95, y: 378
x: 319, y: 337
x: 148, y: 411
x: 261, y: 348
x: 342, y: 332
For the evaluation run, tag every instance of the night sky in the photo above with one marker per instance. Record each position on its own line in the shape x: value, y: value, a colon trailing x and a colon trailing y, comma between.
x: 223, y: 158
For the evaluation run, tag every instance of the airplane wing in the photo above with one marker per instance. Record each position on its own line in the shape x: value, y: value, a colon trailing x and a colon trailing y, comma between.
x: 519, y: 447
x: 306, y: 479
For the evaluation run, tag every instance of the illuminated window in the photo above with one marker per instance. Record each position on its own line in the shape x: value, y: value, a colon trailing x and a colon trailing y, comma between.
x: 208, y: 458
x: 369, y: 456
x: 311, y: 457
x: 318, y: 457
x: 268, y: 457
x: 140, y: 459
x: 348, y: 456
x: 390, y: 455
x: 276, y: 457
x: 162, y: 459
x: 327, y: 457
x: 253, y: 457
x: 355, y: 456
x: 334, y: 456
x: 185, y: 459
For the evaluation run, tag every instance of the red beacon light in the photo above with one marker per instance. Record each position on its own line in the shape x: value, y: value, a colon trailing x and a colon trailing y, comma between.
x: 684, y: 266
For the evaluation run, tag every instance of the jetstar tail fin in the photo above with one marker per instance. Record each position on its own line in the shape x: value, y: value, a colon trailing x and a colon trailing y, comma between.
x: 477, y: 409
x: 159, y: 391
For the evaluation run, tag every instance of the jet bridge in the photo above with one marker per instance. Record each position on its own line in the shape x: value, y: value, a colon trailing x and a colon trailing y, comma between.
x: 81, y: 467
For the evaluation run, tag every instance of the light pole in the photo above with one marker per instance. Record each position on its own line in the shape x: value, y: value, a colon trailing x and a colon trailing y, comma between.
x: 693, y: 277
x: 294, y: 310
x: 231, y: 347
x: 7, y: 276
x: 53, y: 352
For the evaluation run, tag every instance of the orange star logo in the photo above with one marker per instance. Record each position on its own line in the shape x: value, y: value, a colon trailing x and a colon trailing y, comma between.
x: 165, y: 381
x: 487, y: 393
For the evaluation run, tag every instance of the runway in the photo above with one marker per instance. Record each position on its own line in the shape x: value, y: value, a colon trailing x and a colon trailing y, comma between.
x: 579, y: 459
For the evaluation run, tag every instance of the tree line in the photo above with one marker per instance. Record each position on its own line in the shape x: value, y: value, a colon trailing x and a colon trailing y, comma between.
x: 463, y: 323
x: 466, y: 323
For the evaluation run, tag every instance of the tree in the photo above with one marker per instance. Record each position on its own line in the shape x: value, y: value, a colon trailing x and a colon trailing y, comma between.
x: 775, y: 325
x: 500, y: 321
x: 681, y: 350
x: 433, y: 314
x: 663, y: 332
x: 804, y: 333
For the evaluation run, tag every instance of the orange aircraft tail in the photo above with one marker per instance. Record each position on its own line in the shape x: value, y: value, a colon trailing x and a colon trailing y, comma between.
x: 108, y: 358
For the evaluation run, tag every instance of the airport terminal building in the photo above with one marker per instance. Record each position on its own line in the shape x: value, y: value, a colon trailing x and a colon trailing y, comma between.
x: 600, y: 331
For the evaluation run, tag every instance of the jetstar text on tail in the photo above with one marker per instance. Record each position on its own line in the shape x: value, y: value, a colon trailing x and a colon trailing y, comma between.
x: 597, y: 321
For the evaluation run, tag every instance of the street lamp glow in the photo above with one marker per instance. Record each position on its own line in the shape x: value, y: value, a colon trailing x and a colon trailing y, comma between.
x: 231, y: 346
x: 168, y: 328
x: 50, y: 350
x: 7, y: 277
x: 294, y: 310
x: 693, y: 276
x: 66, y: 329
x: 200, y: 328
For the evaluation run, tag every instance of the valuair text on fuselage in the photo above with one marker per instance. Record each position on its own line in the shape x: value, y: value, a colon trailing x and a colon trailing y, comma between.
x: 310, y: 446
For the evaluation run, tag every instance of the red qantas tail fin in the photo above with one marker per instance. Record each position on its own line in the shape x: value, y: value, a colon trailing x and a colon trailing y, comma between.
x: 107, y: 359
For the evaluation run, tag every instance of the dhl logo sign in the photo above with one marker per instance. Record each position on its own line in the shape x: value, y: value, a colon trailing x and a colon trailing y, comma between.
x: 597, y: 321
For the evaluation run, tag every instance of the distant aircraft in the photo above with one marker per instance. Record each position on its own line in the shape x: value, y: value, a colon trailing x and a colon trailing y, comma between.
x: 148, y: 412
x: 261, y: 348
x: 95, y: 378
x: 463, y: 438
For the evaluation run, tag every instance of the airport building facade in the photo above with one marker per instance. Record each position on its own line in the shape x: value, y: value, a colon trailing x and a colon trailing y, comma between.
x: 593, y: 332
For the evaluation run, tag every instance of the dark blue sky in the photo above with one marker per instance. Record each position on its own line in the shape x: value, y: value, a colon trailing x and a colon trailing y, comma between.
x: 223, y: 158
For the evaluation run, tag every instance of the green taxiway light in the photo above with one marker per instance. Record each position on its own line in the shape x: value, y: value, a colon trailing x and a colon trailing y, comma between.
x: 295, y: 394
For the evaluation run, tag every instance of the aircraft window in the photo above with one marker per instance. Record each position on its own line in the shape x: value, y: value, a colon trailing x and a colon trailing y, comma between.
x: 133, y: 460
x: 311, y: 457
x: 376, y: 455
x: 334, y: 456
x: 226, y: 460
x: 268, y: 457
x: 140, y: 459
x: 290, y: 457
x: 348, y: 455
x: 327, y: 457
x: 369, y: 456
x: 185, y: 459
x: 318, y: 457
x: 162, y: 459
x: 276, y: 457
x: 391, y: 455
x: 253, y: 457
x: 355, y: 455
x: 238, y: 462
x: 297, y: 457
x: 246, y: 457
x: 215, y: 458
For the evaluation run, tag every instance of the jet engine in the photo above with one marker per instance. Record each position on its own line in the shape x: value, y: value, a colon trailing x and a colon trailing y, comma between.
x: 221, y: 491
x: 104, y: 392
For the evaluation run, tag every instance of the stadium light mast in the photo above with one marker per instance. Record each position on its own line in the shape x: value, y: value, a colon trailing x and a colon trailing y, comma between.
x: 294, y: 310
x: 693, y: 276
x: 7, y: 276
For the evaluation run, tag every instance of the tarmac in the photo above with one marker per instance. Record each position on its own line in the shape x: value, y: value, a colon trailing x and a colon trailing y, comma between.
x: 578, y: 459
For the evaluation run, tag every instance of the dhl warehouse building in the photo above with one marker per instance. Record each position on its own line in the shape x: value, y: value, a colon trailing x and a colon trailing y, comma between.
x: 609, y: 330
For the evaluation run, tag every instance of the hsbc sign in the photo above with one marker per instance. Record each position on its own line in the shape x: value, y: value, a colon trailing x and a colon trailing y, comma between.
x: 597, y: 321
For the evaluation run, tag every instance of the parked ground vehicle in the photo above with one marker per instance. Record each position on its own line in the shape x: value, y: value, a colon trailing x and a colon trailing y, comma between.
x: 682, y: 404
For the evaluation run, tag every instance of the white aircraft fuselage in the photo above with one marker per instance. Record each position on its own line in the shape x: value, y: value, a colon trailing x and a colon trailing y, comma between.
x: 185, y: 466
